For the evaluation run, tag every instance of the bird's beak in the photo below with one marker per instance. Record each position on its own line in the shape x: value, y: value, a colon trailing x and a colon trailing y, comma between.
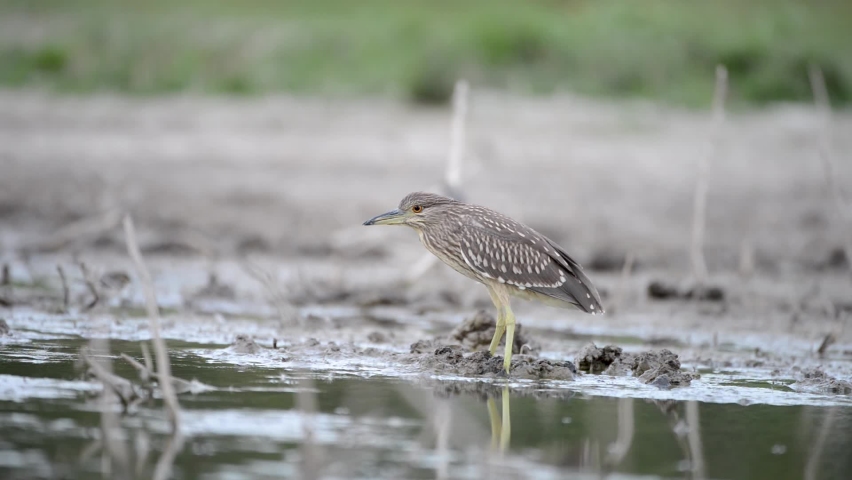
x: 394, y: 217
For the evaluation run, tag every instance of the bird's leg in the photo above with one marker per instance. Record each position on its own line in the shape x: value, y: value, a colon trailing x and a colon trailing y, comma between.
x: 509, y: 318
x: 501, y: 430
x: 496, y: 425
x: 506, y: 431
x: 501, y: 322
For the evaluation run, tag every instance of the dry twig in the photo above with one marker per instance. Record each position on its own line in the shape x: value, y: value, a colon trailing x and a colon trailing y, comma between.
x: 121, y: 387
x: 699, y: 217
x: 812, y: 466
x: 693, y: 437
x: 146, y: 375
x: 114, y: 455
x: 65, y: 293
x: 626, y: 429
x: 623, y: 285
x: 453, y: 174
x: 90, y: 284
x: 841, y: 202
x: 160, y: 349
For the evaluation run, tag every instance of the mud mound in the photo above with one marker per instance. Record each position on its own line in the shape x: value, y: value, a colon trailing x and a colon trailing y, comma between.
x: 451, y: 359
x: 815, y: 379
x: 476, y: 332
x: 592, y: 359
x: 659, y: 368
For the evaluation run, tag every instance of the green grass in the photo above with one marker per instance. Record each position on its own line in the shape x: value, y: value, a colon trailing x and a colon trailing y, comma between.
x: 660, y: 49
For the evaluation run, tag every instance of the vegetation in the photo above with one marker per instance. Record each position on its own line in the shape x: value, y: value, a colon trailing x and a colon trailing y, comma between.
x: 660, y: 49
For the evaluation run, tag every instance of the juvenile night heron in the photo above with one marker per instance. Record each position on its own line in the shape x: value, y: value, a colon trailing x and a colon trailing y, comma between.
x: 506, y: 256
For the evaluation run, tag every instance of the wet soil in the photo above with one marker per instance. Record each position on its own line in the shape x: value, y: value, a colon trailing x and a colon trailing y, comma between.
x: 249, y: 215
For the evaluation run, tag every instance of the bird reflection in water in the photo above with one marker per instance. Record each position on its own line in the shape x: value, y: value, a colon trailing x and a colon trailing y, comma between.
x: 501, y: 430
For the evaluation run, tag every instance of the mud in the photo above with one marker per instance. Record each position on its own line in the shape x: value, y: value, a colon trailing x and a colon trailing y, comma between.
x: 660, y: 368
x: 592, y: 359
x: 816, y: 380
x: 451, y: 359
x: 245, y: 344
x: 476, y: 332
x: 255, y: 231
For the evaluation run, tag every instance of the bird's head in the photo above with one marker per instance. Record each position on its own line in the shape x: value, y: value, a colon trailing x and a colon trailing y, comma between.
x: 417, y: 210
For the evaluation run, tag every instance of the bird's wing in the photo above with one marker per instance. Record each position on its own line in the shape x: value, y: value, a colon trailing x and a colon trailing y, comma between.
x: 528, y: 261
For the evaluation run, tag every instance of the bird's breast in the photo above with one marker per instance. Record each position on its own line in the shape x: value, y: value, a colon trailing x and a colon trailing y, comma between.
x: 447, y: 251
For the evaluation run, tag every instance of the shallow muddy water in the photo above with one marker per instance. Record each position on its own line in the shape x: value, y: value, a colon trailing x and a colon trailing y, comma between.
x: 261, y: 416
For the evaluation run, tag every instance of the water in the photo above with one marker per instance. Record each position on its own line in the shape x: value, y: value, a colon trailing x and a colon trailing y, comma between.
x: 265, y: 421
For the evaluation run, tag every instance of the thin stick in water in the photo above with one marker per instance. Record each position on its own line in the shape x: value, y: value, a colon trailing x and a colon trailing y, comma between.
x: 160, y: 350
x: 699, y: 216
x: 90, y: 284
x: 823, y: 104
x: 64, y: 288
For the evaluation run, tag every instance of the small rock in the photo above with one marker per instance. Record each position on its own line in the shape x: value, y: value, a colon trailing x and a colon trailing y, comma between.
x: 4, y: 328
x: 649, y: 366
x: 660, y: 291
x: 245, y: 344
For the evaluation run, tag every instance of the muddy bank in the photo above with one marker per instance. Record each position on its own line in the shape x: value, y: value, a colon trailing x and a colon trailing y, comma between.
x: 660, y: 368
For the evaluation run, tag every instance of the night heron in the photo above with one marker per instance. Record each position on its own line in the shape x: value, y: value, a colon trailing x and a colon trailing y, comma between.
x: 506, y: 256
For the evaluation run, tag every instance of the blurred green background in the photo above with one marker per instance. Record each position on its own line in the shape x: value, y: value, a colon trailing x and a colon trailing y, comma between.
x: 656, y: 49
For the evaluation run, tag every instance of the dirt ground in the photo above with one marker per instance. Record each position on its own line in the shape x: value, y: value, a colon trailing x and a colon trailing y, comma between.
x: 285, y: 183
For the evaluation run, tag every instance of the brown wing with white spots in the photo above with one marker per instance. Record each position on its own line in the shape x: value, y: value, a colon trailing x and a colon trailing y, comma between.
x: 509, y: 252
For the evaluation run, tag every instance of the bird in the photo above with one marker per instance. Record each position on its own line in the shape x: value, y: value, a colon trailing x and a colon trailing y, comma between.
x: 508, y: 257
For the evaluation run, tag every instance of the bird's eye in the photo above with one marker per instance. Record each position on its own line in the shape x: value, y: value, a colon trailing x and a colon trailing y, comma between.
x: 417, y: 209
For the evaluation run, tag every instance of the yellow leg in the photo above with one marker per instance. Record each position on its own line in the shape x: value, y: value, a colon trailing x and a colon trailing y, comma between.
x: 501, y: 322
x: 509, y: 318
x: 501, y: 430
x: 496, y: 426
x: 506, y: 432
